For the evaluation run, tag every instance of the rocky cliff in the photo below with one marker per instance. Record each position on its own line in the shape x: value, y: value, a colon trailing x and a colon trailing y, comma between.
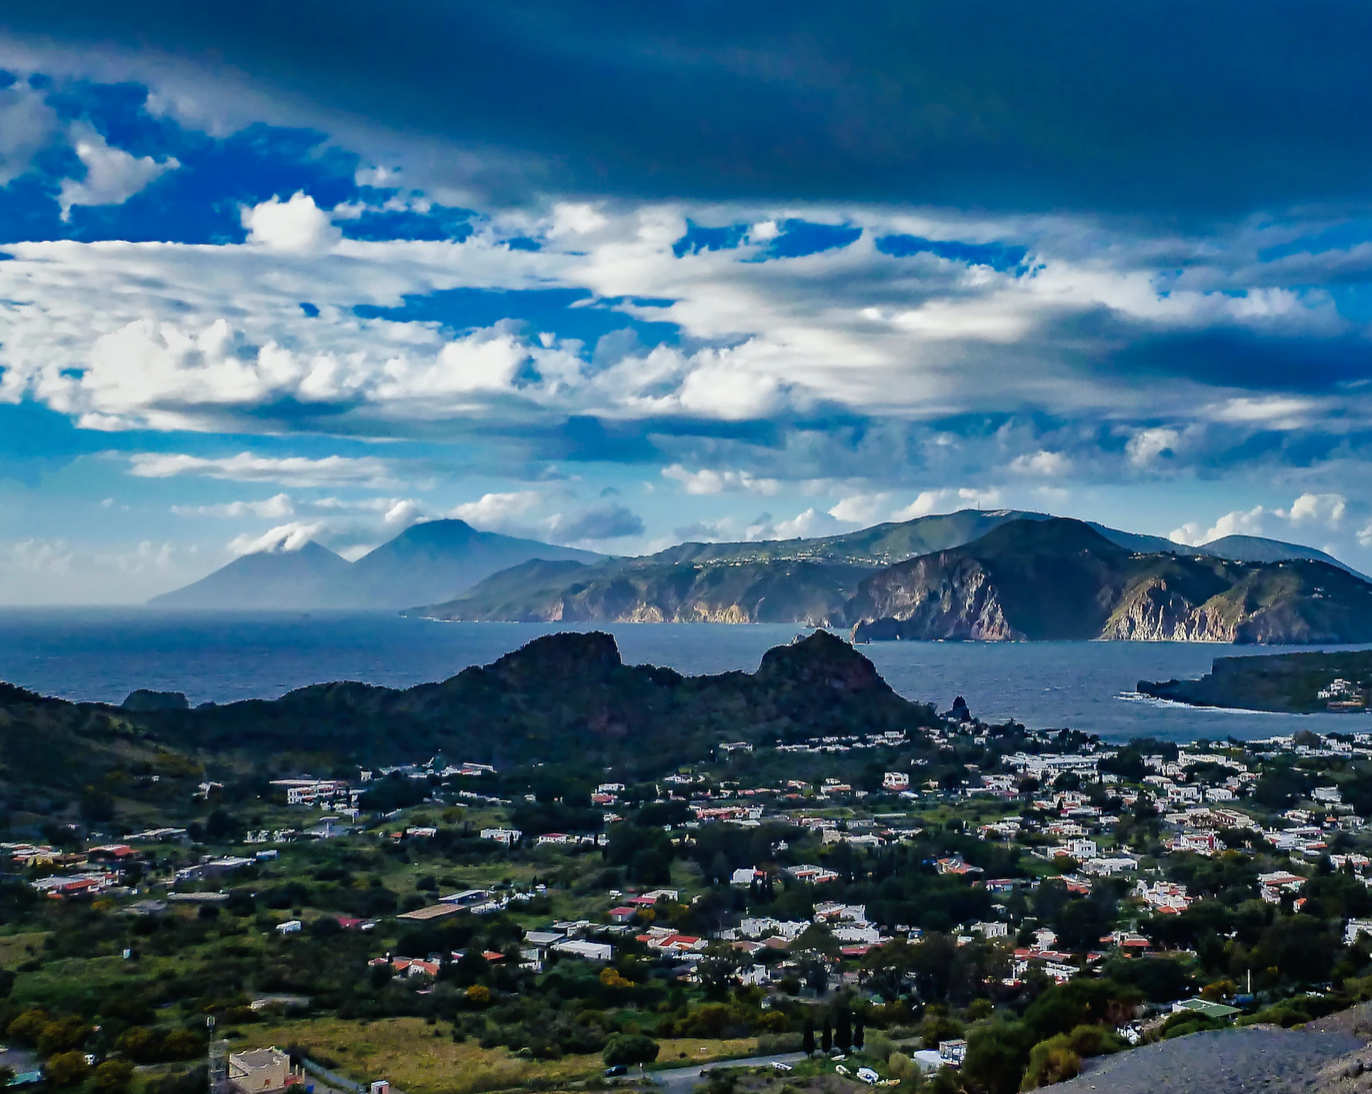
x: 1060, y: 579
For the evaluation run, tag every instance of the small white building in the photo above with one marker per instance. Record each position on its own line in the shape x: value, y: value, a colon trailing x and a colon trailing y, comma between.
x: 895, y: 780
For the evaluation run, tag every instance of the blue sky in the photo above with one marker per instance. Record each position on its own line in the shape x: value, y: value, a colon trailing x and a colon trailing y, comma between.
x: 619, y: 278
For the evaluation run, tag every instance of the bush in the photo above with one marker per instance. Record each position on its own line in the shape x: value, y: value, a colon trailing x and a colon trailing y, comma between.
x: 113, y: 1077
x: 630, y: 1048
x: 1094, y: 1041
x: 1179, y: 1025
x: 1051, y: 1061
x: 66, y: 1069
x: 902, y: 1067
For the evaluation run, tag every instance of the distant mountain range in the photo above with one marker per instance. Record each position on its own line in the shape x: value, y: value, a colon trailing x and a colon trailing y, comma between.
x: 1061, y: 579
x: 815, y: 581
x: 971, y: 574
x: 431, y: 561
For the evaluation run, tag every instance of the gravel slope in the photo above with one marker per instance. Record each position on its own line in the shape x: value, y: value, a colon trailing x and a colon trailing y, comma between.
x: 1232, y: 1061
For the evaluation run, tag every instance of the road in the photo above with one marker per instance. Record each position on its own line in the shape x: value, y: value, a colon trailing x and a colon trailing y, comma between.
x: 678, y: 1079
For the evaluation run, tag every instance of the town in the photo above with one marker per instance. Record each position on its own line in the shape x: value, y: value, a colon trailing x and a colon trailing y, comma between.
x: 904, y: 903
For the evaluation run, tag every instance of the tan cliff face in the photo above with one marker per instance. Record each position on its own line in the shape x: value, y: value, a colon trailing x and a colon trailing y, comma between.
x: 1154, y: 613
x: 928, y: 599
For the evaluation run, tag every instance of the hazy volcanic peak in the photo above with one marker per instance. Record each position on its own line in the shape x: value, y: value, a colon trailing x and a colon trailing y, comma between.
x: 1060, y: 579
x: 428, y: 561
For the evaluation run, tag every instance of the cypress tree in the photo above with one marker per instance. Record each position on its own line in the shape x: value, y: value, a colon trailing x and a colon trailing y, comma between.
x: 807, y: 1042
x: 843, y: 1034
x: 859, y: 1036
x: 826, y: 1040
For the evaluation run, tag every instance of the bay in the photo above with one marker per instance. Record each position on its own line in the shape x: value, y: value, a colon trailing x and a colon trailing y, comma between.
x: 103, y: 654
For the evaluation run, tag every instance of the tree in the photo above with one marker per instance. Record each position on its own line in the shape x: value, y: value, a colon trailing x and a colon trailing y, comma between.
x: 630, y: 1048
x: 859, y: 1035
x: 113, y: 1077
x: 66, y: 1068
x: 826, y: 1039
x: 843, y: 1032
x: 807, y: 1041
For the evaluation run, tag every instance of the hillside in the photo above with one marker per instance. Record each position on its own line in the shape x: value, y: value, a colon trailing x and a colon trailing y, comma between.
x: 429, y: 561
x: 1287, y: 682
x: 266, y: 581
x: 806, y: 581
x: 1061, y: 579
x: 563, y: 697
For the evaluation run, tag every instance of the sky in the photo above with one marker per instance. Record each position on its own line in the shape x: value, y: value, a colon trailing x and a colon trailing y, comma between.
x: 621, y: 275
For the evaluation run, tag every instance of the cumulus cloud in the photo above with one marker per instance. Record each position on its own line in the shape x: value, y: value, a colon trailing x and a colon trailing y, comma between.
x: 112, y: 175
x: 708, y: 481
x: 273, y: 508
x: 404, y: 513
x: 497, y: 512
x: 282, y: 538
x: 1237, y: 523
x: 246, y: 467
x: 1043, y: 463
x: 595, y: 524
x: 297, y: 226
x: 925, y: 503
x: 1148, y: 446
x: 860, y: 508
x: 1326, y: 509
x: 26, y: 124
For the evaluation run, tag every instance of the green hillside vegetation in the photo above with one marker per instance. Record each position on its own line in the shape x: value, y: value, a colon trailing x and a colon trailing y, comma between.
x: 1287, y: 682
x: 563, y: 697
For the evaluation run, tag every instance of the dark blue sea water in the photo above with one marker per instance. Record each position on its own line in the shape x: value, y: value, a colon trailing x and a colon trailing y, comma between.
x: 103, y: 654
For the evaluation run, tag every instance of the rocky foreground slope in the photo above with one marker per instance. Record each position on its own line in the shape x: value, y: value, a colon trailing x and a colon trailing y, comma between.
x: 1061, y: 579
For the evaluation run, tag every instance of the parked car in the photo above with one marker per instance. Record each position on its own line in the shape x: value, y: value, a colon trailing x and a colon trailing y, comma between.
x: 618, y: 1069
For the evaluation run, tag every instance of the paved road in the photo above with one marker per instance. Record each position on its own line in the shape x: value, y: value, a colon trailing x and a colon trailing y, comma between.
x: 678, y: 1079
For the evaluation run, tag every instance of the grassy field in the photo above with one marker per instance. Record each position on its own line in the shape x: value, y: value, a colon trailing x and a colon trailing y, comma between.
x: 15, y: 949
x: 423, y: 1059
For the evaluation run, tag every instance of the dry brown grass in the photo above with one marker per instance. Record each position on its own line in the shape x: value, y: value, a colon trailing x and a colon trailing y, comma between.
x: 406, y: 1051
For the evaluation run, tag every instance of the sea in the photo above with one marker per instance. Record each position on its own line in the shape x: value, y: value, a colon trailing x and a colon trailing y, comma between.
x: 103, y: 654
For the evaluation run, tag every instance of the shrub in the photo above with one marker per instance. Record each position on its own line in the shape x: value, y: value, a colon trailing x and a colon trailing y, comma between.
x: 1051, y: 1061
x: 902, y: 1067
x: 630, y: 1048
x: 113, y: 1077
x: 1094, y: 1041
x: 66, y: 1069
x: 1185, y: 1022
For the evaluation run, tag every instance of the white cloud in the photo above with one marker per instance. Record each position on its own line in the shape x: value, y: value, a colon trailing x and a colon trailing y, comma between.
x: 245, y: 467
x: 273, y: 508
x: 26, y: 124
x: 1237, y: 523
x: 404, y: 512
x: 1042, y: 462
x: 495, y: 512
x: 707, y: 481
x: 923, y: 505
x: 297, y: 226
x: 570, y: 218
x: 112, y: 175
x: 284, y: 537
x: 860, y: 508
x: 1147, y: 446
x: 980, y: 499
x: 1326, y: 509
x: 802, y: 526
